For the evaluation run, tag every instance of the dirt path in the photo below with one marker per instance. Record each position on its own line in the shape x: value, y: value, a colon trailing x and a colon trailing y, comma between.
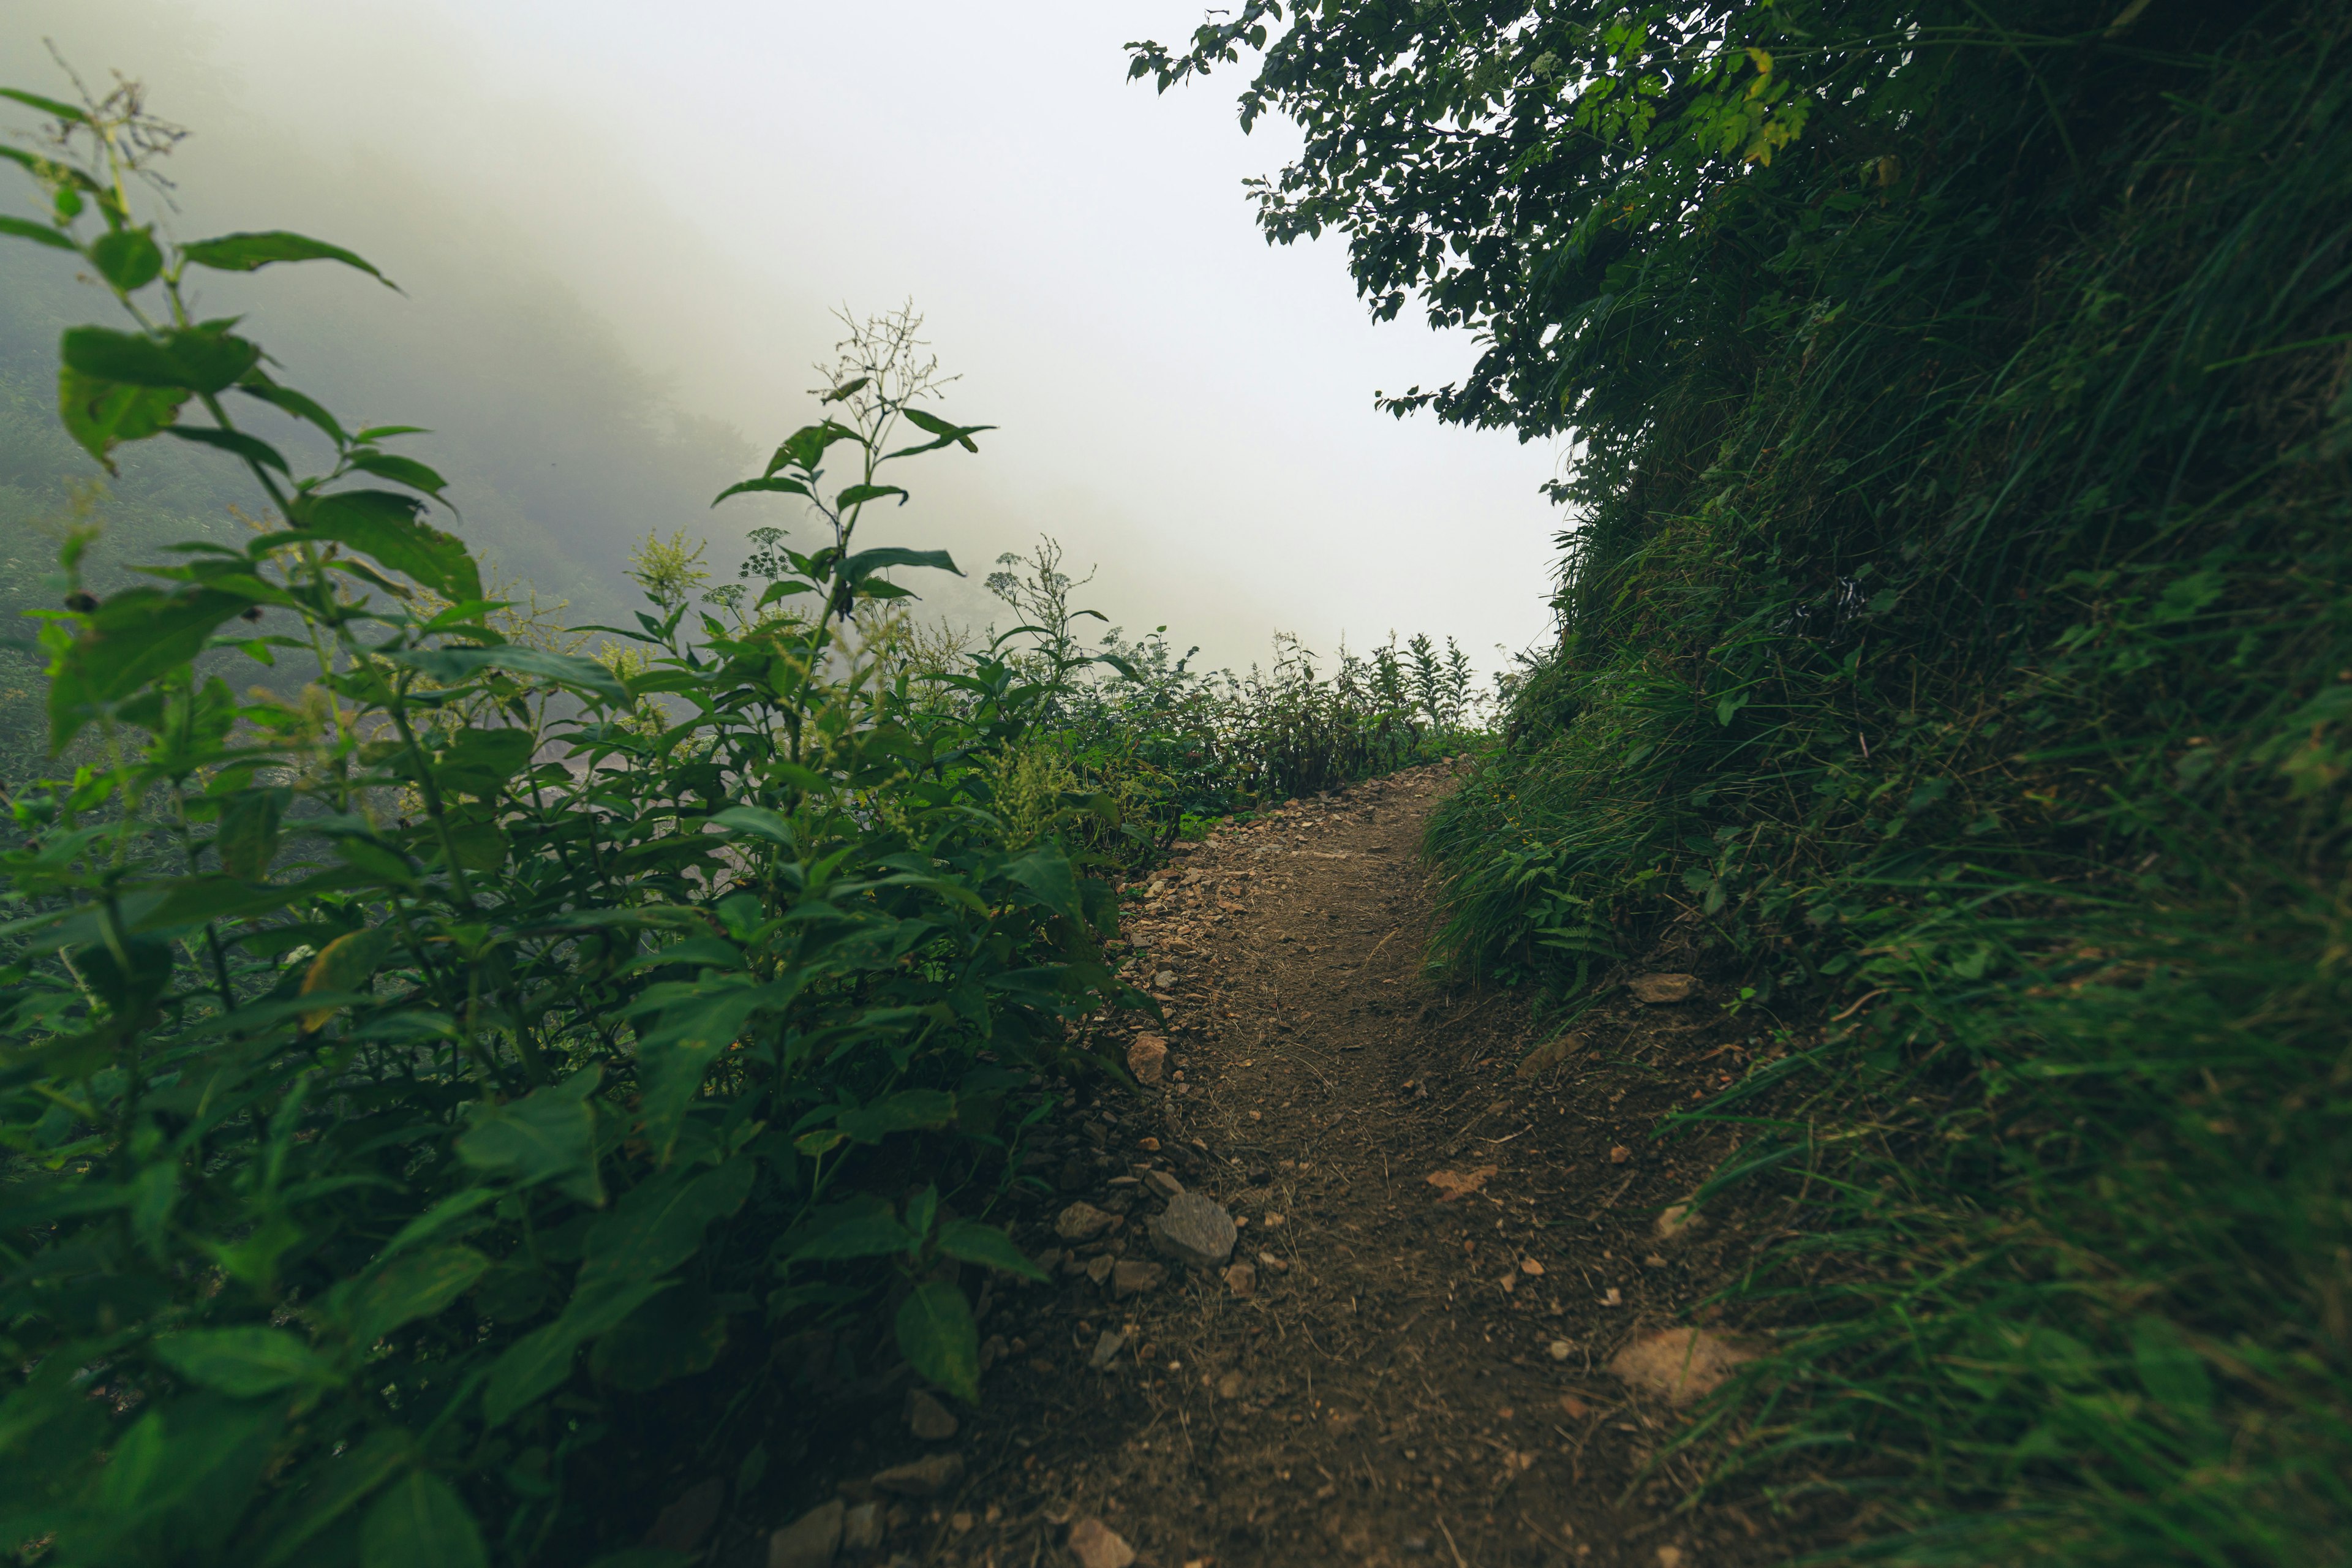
x: 1408, y: 1369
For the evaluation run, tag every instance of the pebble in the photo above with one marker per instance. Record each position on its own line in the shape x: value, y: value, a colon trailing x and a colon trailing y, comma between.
x: 1096, y: 1545
x: 1669, y: 1557
x: 1560, y: 1350
x: 681, y: 1527
x: 1620, y: 1154
x: 1164, y: 1183
x: 1271, y: 1261
x: 1164, y: 979
x: 929, y: 1419
x: 1657, y: 989
x: 861, y: 1528
x: 1082, y: 1222
x: 925, y: 1477
x: 1230, y: 1385
x: 1195, y: 1230
x: 1147, y: 1059
x: 1106, y: 1348
x: 810, y: 1540
x: 1098, y: 1269
x: 1132, y: 1277
x: 1549, y: 1055
x: 1675, y: 1219
x: 1241, y: 1280
x: 1681, y: 1363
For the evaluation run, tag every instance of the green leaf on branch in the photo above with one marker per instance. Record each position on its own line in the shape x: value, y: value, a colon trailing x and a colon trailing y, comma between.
x: 244, y: 1363
x: 807, y: 446
x: 909, y: 1111
x: 190, y: 359
x: 61, y: 110
x: 421, y: 1523
x: 233, y: 441
x: 38, y: 233
x: 412, y: 1286
x: 247, y: 840
x: 102, y: 414
x: 660, y: 1223
x: 344, y: 966
x: 969, y: 1241
x: 940, y: 1339
x: 945, y: 433
x: 127, y: 258
x: 754, y: 487
x: 676, y: 1334
x: 547, y: 1136
x: 249, y: 252
x: 858, y: 495
x: 451, y: 664
x: 865, y: 562
x: 400, y: 470
x: 536, y: 1364
x: 384, y: 524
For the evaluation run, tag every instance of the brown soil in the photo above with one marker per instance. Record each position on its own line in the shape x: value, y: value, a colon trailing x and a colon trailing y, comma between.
x: 1417, y: 1377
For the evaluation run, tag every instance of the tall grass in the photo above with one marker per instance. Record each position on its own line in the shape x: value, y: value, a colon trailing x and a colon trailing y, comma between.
x: 1967, y: 674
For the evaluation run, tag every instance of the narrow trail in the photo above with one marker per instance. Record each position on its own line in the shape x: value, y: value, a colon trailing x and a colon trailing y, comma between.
x: 1448, y: 1243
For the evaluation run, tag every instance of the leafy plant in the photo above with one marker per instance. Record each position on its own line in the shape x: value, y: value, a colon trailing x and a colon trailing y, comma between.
x: 411, y: 1086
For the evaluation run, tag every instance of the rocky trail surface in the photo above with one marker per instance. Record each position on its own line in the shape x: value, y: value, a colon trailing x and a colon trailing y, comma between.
x: 1370, y: 1272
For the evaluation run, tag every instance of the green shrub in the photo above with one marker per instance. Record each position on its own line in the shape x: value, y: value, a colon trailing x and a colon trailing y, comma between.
x: 428, y: 1099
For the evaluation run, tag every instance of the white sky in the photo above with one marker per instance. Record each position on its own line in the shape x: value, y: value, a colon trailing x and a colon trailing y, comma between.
x: 1180, y: 402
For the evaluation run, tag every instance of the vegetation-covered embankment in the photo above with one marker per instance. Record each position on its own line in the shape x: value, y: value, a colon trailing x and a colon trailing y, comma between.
x: 1954, y: 641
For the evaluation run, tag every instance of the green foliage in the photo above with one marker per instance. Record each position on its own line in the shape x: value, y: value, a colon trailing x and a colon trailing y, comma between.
x: 1954, y: 660
x: 371, y: 1053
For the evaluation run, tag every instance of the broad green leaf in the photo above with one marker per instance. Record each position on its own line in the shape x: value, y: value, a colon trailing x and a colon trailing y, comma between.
x: 548, y: 1135
x: 676, y: 1334
x: 102, y: 414
x: 244, y: 1362
x: 803, y: 448
x: 969, y: 1241
x: 858, y: 495
x: 2174, y: 1375
x: 232, y: 441
x: 873, y: 1235
x: 905, y: 1111
x: 536, y: 1364
x: 757, y: 487
x: 479, y: 758
x: 38, y: 233
x: 247, y: 840
x: 127, y: 258
x: 400, y: 470
x: 421, y: 1523
x: 336, y: 1485
x: 1047, y: 873
x: 191, y: 359
x: 660, y: 1224
x: 415, y: 1285
x: 384, y: 524
x: 673, y: 1055
x: 451, y: 664
x: 256, y: 383
x: 756, y: 820
x: 939, y: 1339
x: 931, y: 423
x: 248, y: 252
x: 345, y: 965
x: 140, y: 633
x: 865, y: 562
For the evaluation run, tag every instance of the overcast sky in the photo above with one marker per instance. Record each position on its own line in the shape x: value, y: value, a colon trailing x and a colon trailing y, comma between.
x: 1180, y: 402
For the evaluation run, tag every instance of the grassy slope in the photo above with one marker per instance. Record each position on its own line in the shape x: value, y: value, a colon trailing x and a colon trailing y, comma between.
x: 1965, y: 650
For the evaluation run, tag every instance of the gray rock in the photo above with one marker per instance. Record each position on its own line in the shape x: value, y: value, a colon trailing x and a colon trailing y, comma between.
x: 810, y: 1540
x: 1107, y: 1350
x: 929, y: 1419
x: 1163, y: 980
x: 925, y: 1477
x: 1195, y: 1230
x: 1164, y: 1183
x: 1132, y: 1277
x: 684, y: 1524
x: 1658, y: 990
x: 1082, y: 1222
x: 861, y: 1528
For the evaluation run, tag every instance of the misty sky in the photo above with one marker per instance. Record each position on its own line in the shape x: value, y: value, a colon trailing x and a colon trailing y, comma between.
x: 703, y: 180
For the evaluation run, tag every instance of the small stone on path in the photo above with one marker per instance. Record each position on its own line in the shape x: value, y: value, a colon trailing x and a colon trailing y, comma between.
x: 1453, y: 1184
x: 810, y: 1540
x: 924, y: 1478
x: 1656, y: 989
x: 1195, y: 1230
x: 1099, y: 1268
x: 861, y: 1528
x: 1241, y: 1280
x: 1147, y: 1059
x: 1096, y: 1545
x: 1132, y: 1277
x: 682, y: 1526
x: 1560, y: 1350
x: 1106, y: 1348
x: 1164, y: 1183
x: 1549, y: 1055
x: 1083, y: 1221
x: 1675, y: 1219
x: 929, y: 1419
x: 1681, y: 1363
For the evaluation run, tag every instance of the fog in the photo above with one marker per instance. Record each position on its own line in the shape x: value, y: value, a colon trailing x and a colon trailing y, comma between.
x: 621, y: 232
